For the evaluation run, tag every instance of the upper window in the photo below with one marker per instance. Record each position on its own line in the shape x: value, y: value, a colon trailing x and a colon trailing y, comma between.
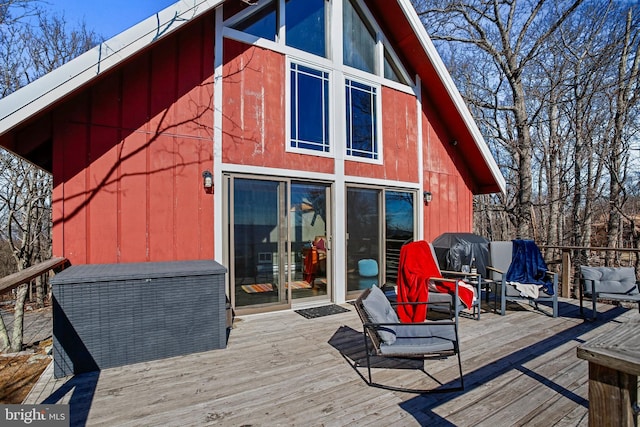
x: 305, y: 24
x: 391, y: 71
x: 309, y: 108
x: 263, y: 23
x: 362, y: 134
x: 359, y: 41
x: 301, y: 31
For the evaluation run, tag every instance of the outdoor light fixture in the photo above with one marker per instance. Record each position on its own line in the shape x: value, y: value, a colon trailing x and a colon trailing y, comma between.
x: 427, y: 197
x: 207, y: 179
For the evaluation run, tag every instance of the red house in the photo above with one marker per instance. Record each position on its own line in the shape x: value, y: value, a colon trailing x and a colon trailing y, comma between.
x: 287, y: 140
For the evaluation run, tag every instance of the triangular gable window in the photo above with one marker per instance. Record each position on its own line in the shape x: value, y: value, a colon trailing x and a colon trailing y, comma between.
x: 391, y: 70
x: 306, y: 25
x: 359, y: 41
x: 263, y: 24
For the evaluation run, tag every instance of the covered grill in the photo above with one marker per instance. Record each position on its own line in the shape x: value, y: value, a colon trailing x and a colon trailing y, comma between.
x: 454, y: 250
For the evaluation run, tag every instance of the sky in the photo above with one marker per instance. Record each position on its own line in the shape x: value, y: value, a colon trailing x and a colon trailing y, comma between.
x: 106, y: 17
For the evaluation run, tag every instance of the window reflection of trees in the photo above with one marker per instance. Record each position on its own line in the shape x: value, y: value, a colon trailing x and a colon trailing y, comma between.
x: 361, y: 120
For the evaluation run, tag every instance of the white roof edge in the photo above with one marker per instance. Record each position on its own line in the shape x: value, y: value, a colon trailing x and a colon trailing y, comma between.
x: 453, y: 91
x: 34, y: 97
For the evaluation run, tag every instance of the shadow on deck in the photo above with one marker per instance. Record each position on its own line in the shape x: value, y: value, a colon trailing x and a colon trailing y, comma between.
x: 280, y: 368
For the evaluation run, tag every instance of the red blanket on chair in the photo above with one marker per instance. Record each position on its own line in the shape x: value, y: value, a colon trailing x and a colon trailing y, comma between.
x: 417, y: 266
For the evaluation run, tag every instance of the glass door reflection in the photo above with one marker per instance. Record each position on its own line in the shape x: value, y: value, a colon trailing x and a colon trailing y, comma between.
x: 258, y: 244
x: 363, y: 238
x: 308, y: 225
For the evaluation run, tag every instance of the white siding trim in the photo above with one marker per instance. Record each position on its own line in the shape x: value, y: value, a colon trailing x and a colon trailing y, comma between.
x: 218, y: 193
x: 420, y: 202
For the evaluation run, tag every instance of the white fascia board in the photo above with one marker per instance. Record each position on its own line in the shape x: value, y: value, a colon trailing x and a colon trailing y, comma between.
x: 451, y: 88
x: 38, y: 95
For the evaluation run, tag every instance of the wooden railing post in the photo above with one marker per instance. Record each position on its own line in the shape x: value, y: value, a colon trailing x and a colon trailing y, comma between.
x: 566, y: 274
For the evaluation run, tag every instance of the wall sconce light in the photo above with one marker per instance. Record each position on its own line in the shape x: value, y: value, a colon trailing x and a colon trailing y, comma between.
x: 427, y: 197
x: 207, y: 180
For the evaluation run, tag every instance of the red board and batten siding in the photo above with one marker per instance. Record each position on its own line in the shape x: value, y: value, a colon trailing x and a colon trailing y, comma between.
x: 399, y: 141
x: 254, y: 120
x: 129, y: 153
x: 254, y: 134
x: 253, y: 127
x: 451, y: 208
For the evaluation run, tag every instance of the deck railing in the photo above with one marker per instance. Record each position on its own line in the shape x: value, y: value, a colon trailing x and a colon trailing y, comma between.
x: 16, y: 279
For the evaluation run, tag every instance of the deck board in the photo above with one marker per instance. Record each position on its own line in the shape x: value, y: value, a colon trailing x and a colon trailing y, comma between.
x: 283, y: 369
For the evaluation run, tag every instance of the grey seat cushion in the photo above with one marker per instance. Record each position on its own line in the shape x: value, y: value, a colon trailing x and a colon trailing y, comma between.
x: 625, y: 297
x: 420, y: 339
x: 615, y: 281
x: 439, y: 298
x: 379, y: 310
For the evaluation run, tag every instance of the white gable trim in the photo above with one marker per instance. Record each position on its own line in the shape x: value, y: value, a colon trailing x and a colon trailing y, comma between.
x: 38, y: 95
x: 452, y: 90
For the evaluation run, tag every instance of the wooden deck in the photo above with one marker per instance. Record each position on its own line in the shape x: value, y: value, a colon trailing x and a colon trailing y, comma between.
x: 282, y: 369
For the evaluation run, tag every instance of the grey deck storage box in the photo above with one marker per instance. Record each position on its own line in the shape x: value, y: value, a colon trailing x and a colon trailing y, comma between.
x: 107, y: 315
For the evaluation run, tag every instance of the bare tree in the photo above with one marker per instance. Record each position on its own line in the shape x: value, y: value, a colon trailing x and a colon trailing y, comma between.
x: 554, y: 87
x: 27, y: 204
x: 510, y: 36
x: 32, y: 43
x: 625, y: 97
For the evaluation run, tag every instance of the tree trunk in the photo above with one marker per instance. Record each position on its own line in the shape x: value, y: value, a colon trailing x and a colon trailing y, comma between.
x: 4, y: 336
x: 525, y: 153
x: 18, y: 318
x: 40, y: 283
x: 619, y: 149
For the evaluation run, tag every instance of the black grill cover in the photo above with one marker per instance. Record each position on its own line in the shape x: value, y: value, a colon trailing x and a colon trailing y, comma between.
x: 456, y: 249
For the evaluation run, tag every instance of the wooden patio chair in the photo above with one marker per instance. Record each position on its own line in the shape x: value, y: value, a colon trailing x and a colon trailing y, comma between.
x: 608, y: 283
x: 385, y: 336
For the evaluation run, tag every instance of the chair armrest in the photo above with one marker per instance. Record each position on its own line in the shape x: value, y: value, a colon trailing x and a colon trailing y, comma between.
x: 410, y: 303
x: 430, y: 303
x: 497, y: 270
x: 444, y: 279
x: 554, y: 277
x: 426, y: 322
x: 586, y: 282
x: 459, y: 273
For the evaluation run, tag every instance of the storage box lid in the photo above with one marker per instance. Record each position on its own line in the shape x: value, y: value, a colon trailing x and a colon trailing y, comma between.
x: 88, y: 273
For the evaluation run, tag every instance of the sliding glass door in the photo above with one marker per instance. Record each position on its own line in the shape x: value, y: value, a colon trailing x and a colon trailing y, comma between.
x: 379, y: 222
x: 310, y: 244
x: 257, y: 242
x: 278, y: 242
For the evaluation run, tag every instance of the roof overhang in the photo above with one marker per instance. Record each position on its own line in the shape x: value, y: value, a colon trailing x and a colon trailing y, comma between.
x: 411, y: 38
x: 31, y: 100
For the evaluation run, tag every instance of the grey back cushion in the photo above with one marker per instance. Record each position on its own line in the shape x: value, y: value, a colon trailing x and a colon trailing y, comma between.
x: 433, y: 254
x: 500, y: 254
x: 610, y: 280
x: 379, y: 310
